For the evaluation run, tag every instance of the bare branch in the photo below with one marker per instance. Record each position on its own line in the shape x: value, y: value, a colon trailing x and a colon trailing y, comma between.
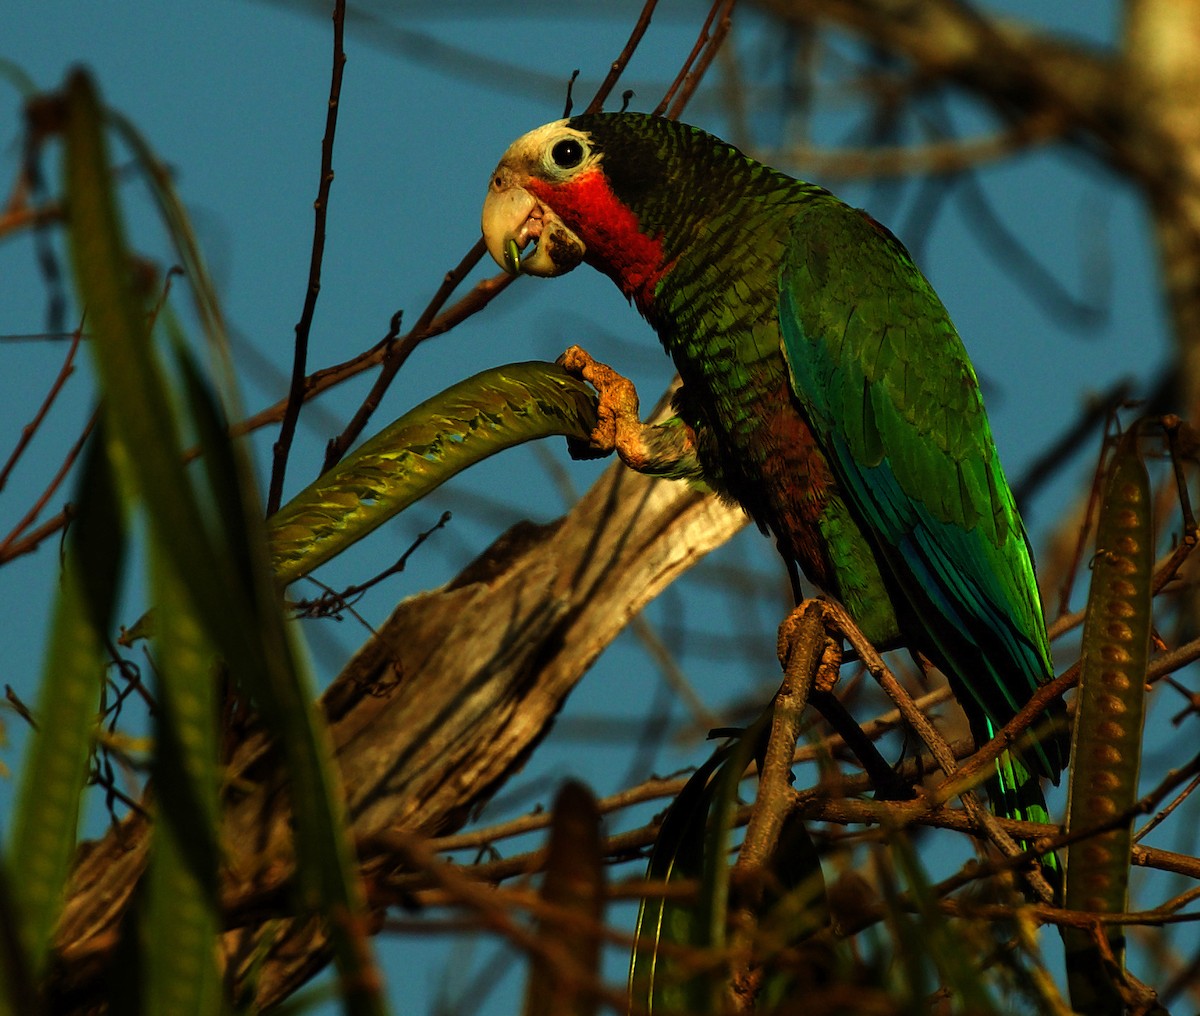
x: 295, y: 398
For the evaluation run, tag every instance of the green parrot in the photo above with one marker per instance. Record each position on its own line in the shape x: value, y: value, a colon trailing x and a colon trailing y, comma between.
x: 825, y: 390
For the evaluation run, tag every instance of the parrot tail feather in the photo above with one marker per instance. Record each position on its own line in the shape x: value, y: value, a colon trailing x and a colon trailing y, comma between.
x: 1015, y: 792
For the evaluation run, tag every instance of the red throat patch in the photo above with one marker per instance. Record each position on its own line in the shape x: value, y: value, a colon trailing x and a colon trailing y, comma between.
x: 615, y: 243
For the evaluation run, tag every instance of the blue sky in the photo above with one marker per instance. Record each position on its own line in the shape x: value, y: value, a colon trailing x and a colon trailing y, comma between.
x: 232, y: 96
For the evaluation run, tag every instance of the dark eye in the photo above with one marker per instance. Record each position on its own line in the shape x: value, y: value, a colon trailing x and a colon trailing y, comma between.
x: 567, y: 154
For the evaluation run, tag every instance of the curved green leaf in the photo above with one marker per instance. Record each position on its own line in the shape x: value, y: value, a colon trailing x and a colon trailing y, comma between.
x: 658, y: 980
x: 16, y: 977
x: 220, y: 562
x: 55, y: 769
x: 794, y: 908
x: 179, y: 227
x: 181, y: 919
x: 473, y: 419
x: 1106, y: 752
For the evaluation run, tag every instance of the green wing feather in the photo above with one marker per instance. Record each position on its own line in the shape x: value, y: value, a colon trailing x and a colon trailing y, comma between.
x: 888, y: 389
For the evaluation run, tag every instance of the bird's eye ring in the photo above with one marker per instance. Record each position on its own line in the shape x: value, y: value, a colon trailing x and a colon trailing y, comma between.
x: 568, y: 153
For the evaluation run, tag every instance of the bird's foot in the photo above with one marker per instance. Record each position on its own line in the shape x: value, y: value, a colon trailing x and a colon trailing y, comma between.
x: 887, y: 782
x: 619, y: 428
x: 831, y: 653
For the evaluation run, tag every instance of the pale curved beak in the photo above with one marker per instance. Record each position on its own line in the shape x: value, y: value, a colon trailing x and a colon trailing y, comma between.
x: 512, y: 219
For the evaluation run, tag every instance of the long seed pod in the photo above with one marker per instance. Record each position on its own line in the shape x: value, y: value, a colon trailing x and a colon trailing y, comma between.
x: 1106, y: 751
x: 562, y: 980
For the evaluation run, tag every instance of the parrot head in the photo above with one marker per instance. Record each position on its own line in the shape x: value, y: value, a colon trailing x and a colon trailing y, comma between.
x: 575, y: 189
x: 542, y: 161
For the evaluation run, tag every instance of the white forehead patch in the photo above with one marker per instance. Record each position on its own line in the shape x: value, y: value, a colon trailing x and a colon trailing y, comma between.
x: 541, y: 151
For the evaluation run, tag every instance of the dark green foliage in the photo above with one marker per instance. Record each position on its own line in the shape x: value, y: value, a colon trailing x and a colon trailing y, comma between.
x: 662, y: 977
x: 218, y: 601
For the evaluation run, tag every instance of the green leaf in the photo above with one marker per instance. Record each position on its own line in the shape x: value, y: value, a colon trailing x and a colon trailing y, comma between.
x: 55, y: 769
x: 143, y: 428
x: 658, y: 980
x: 47, y: 816
x: 271, y: 667
x: 493, y: 410
x: 180, y: 922
x: 1111, y: 708
x: 179, y: 227
x: 469, y: 421
x: 220, y: 563
x: 796, y: 909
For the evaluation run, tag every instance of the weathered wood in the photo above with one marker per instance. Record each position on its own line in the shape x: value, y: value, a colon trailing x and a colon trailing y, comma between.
x: 428, y: 719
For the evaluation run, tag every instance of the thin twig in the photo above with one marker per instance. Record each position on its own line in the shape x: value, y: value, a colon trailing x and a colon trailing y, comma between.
x: 815, y: 804
x: 11, y: 548
x: 1011, y: 732
x: 479, y: 297
x: 334, y: 601
x: 27, y: 432
x: 1165, y: 813
x: 692, y: 80
x: 498, y: 914
x: 701, y: 39
x: 619, y: 64
x: 8, y: 548
x: 820, y: 803
x: 1171, y: 425
x: 295, y: 399
x: 934, y: 742
x: 658, y: 789
x: 1085, y: 529
x: 1164, y: 571
x: 40, y: 123
x: 19, y: 707
x: 1007, y: 736
x: 916, y: 719
x: 570, y: 101
x: 395, y: 353
x: 13, y: 220
x: 1171, y: 661
x: 474, y: 301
